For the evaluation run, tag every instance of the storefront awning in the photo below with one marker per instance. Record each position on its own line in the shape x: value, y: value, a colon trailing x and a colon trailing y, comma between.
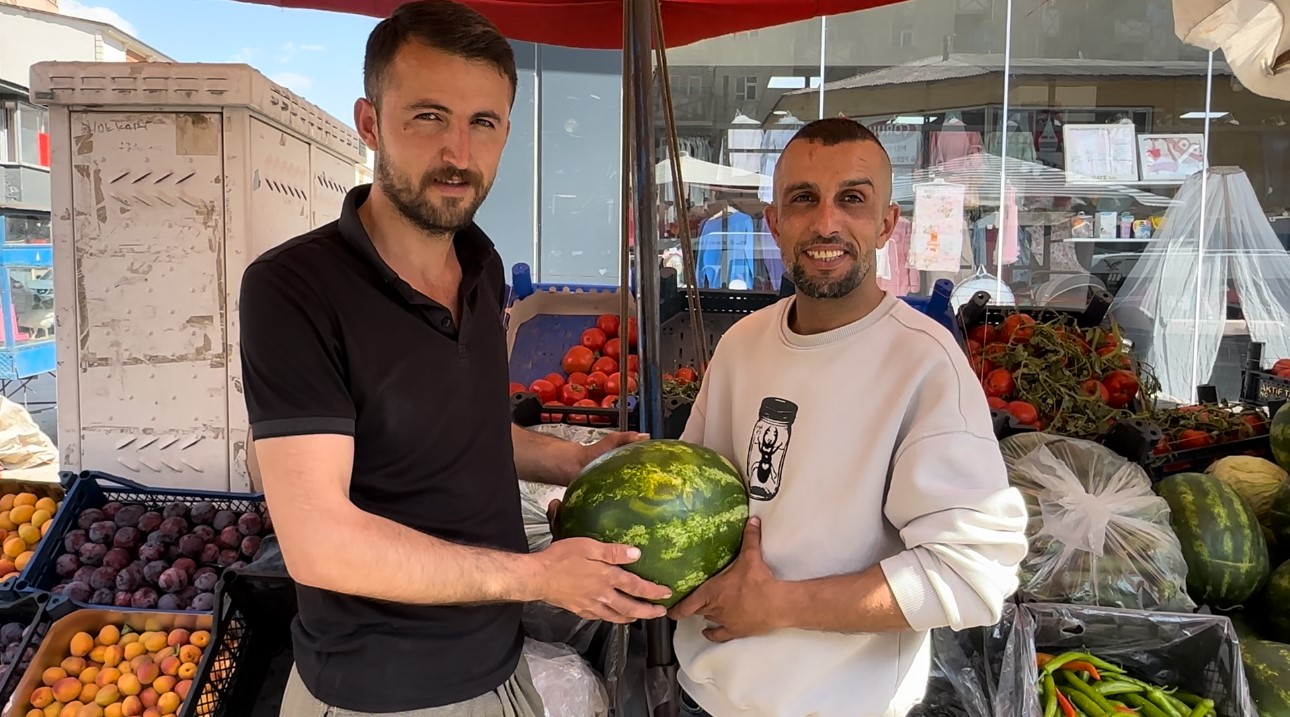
x: 1254, y: 36
x: 598, y: 24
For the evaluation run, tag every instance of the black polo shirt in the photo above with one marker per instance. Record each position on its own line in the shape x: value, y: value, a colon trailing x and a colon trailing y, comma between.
x: 333, y: 341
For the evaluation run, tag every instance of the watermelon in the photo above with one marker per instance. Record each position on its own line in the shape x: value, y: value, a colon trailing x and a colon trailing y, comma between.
x: 1279, y: 436
x: 1277, y: 599
x: 1276, y: 521
x: 683, y: 505
x: 1267, y: 671
x: 1222, y: 542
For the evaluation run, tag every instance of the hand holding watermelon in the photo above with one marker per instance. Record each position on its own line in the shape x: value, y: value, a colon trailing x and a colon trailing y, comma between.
x: 582, y: 576
x: 725, y: 599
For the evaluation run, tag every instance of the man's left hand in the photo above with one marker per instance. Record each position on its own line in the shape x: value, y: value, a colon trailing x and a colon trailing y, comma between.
x: 742, y: 600
x: 580, y: 455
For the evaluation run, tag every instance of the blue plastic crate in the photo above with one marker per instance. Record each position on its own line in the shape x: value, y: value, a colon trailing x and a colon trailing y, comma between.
x: 94, y: 489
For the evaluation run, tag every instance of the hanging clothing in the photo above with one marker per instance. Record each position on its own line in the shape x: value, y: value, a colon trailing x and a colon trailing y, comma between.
x: 725, y: 250
x: 769, y: 259
x: 955, y: 141
x: 901, y: 280
x: 1019, y: 144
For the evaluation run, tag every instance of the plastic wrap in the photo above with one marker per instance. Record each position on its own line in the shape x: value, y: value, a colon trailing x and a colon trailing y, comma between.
x: 568, y: 685
x: 535, y: 497
x: 1098, y: 534
x: 1194, y: 653
x: 966, y: 668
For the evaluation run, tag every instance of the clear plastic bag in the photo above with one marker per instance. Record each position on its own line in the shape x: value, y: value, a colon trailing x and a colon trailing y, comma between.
x: 966, y: 668
x: 1199, y: 654
x: 568, y: 685
x: 1098, y: 534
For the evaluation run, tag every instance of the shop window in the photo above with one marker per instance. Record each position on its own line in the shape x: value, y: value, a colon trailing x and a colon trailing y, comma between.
x: 33, y: 135
x: 6, y: 134
x: 746, y: 88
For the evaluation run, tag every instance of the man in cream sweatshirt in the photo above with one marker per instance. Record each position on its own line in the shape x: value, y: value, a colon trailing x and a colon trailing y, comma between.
x: 880, y: 504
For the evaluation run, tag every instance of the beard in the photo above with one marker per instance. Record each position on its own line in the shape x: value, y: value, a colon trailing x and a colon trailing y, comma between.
x: 834, y: 286
x: 447, y: 216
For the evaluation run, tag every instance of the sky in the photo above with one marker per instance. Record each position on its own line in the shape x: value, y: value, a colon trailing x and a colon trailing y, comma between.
x: 318, y: 55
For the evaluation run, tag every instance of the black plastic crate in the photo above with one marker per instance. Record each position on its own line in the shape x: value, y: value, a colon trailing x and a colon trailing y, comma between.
x: 94, y: 489
x: 977, y: 310
x: 220, y: 675
x: 36, y: 613
x: 267, y: 603
x: 10, y: 588
x: 1259, y: 386
x: 527, y: 410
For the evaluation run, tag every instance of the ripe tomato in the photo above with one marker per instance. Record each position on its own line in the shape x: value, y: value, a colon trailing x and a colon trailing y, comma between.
x: 556, y: 380
x: 578, y: 359
x: 1281, y: 365
x: 596, y: 384
x: 1025, y: 413
x: 518, y: 388
x: 983, y: 367
x: 1017, y: 329
x: 544, y: 390
x: 594, y: 339
x: 999, y: 383
x: 582, y: 417
x: 578, y: 377
x: 686, y: 374
x: 996, y: 404
x: 633, y: 363
x: 631, y: 332
x: 612, y: 349
x: 571, y: 393
x: 609, y: 402
x: 1258, y: 423
x: 615, y: 385
x: 982, y: 334
x: 994, y: 351
x: 1096, y: 389
x: 605, y: 365
x: 1123, y: 387
x: 608, y: 323
x: 973, y: 347
x: 1192, y: 438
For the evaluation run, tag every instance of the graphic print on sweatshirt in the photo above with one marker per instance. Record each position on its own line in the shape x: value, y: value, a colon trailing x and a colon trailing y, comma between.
x: 768, y: 446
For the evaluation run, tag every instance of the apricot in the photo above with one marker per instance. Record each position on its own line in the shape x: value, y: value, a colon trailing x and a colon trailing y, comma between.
x: 51, y: 676
x: 90, y: 674
x: 29, y: 533
x: 128, y: 638
x: 147, y: 673
x: 35, y: 713
x: 90, y: 710
x: 44, y: 529
x: 201, y: 638
x: 67, y: 689
x: 107, y: 695
x: 149, y: 697
x: 6, y: 501
x: 15, y: 546
x: 129, y: 685
x: 182, y: 688
x: 46, y: 504
x: 7, y: 567
x: 190, y: 653
x: 54, y: 710
x: 112, y: 710
x: 40, y: 517
x: 170, y: 665
x: 6, y: 523
x: 154, y: 641
x: 152, y: 624
x: 21, y: 561
x: 108, y: 676
x: 131, y: 707
x: 133, y: 650
x: 187, y: 671
x: 152, y: 712
x: 81, y: 645
x: 163, y: 653
x: 112, y: 655
x: 88, y: 692
x: 168, y: 703
x: 24, y: 499
x: 109, y: 635
x: 21, y: 514
x: 73, y: 665
x: 42, y: 697
x: 71, y: 709
x: 178, y: 638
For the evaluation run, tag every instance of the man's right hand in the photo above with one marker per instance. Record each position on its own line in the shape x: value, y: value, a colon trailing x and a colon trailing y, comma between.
x: 582, y: 576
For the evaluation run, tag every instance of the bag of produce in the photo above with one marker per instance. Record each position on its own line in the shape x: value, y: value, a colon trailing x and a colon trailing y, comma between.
x: 1098, y: 534
x: 1073, y: 659
x: 568, y: 685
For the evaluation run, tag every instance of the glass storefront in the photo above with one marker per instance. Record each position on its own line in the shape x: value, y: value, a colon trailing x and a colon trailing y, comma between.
x: 1058, y: 136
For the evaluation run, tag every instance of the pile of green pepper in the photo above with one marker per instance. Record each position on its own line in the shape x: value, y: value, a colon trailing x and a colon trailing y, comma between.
x: 1078, y: 684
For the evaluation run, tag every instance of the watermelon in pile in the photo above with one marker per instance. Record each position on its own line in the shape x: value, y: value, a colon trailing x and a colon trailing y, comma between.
x: 683, y: 505
x: 1267, y: 672
x: 1227, y: 556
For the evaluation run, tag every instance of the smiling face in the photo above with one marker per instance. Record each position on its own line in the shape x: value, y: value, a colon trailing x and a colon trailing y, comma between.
x: 438, y: 136
x: 831, y: 214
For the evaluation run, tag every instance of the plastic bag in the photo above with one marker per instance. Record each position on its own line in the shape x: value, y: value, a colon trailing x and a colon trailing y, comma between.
x: 568, y: 685
x: 1199, y: 654
x: 1098, y: 534
x: 966, y: 668
x: 535, y: 497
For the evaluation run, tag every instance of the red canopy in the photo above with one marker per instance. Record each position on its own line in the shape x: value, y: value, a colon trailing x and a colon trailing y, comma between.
x: 598, y: 24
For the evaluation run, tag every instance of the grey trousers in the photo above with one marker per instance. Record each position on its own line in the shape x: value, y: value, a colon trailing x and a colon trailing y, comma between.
x: 516, y: 697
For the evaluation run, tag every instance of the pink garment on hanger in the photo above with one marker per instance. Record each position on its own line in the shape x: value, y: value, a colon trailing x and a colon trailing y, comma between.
x: 1010, y: 228
x: 950, y: 144
x: 903, y: 280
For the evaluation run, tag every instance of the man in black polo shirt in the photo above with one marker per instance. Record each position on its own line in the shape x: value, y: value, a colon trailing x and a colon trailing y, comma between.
x: 376, y: 383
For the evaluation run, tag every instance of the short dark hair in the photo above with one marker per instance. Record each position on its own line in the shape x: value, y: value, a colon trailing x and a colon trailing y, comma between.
x: 836, y: 130
x: 443, y: 25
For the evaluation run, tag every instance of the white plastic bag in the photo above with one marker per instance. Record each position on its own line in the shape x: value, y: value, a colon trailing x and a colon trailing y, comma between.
x: 1098, y: 534
x: 568, y: 685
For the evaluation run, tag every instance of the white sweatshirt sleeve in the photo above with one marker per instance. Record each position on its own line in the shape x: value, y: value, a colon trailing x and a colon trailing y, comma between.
x: 963, y: 526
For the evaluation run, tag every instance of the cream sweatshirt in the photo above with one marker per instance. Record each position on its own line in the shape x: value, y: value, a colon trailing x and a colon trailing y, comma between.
x: 869, y: 444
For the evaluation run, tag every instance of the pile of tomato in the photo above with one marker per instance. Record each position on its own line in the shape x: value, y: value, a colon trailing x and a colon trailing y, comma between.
x: 595, y: 373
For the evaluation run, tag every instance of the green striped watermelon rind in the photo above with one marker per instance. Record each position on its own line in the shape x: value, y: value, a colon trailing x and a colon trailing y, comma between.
x: 1227, y: 555
x: 1276, y: 601
x: 1267, y: 672
x: 685, y: 506
x: 1279, y: 436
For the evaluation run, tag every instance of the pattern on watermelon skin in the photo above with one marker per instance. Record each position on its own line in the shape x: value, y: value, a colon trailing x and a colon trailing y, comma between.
x: 1276, y: 600
x: 1209, y: 518
x: 648, y: 495
x: 1267, y: 672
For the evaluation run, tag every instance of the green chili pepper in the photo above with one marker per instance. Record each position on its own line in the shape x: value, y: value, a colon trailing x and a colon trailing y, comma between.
x: 1051, y: 666
x: 1202, y: 709
x: 1103, y: 665
x: 1146, y: 708
x: 1089, y: 692
x: 1182, y: 707
x: 1050, y: 696
x: 1115, y: 687
x: 1160, y: 700
x: 1087, y: 705
x: 1189, y: 699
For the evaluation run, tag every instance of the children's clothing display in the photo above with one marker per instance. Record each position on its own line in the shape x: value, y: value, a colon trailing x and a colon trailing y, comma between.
x: 725, y: 253
x: 897, y: 277
x: 954, y: 141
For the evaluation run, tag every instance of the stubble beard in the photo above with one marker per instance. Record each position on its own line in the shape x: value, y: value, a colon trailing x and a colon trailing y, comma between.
x: 410, y: 199
x: 832, y: 288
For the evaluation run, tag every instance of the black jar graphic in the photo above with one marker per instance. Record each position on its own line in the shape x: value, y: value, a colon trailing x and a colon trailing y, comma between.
x: 768, y: 446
